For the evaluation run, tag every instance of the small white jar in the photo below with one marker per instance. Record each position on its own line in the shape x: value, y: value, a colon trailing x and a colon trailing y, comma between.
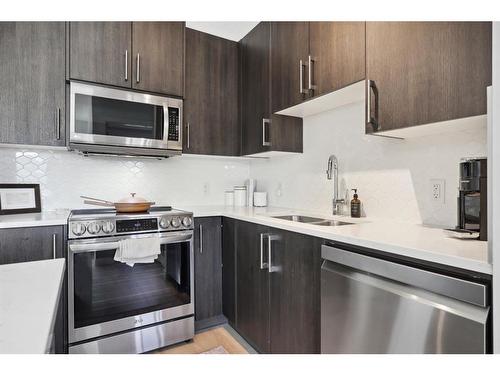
x: 229, y: 198
x: 260, y: 199
x: 240, y: 196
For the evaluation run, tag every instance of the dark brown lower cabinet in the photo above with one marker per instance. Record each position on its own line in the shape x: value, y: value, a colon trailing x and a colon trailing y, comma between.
x: 229, y: 269
x: 278, y: 289
x: 208, y: 272
x: 38, y: 243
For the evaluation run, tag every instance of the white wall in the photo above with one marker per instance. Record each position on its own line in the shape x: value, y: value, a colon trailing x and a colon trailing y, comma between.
x: 393, y: 176
x: 64, y: 176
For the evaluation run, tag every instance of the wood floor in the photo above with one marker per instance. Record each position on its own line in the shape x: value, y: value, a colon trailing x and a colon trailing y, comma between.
x: 205, y: 341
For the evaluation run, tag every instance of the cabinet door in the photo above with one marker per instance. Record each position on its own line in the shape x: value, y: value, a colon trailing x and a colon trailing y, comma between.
x: 252, y: 287
x: 427, y: 72
x: 30, y: 244
x: 32, y: 82
x: 289, y: 46
x: 255, y: 93
x: 211, y: 96
x: 207, y: 269
x: 295, y: 314
x: 229, y: 269
x: 101, y: 52
x: 158, y: 57
x: 337, y: 50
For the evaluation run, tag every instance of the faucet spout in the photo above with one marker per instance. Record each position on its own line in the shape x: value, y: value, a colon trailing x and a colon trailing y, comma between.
x: 332, y: 173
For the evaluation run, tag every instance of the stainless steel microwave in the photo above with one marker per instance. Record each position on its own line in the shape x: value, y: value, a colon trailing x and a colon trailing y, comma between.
x: 116, y: 121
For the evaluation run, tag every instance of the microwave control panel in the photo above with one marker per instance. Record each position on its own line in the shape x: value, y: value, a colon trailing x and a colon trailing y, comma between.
x: 173, y: 124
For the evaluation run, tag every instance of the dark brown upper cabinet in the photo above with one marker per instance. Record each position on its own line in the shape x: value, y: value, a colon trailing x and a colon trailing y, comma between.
x: 32, y: 83
x: 289, y: 54
x: 314, y: 58
x: 337, y: 51
x: 262, y: 131
x: 211, y: 120
x: 158, y: 57
x: 101, y: 52
x: 147, y: 56
x: 426, y: 72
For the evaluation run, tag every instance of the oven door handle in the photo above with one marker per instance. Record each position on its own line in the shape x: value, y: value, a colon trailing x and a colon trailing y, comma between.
x: 86, y: 247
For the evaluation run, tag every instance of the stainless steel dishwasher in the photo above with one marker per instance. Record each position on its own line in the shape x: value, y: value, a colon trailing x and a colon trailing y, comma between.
x: 370, y: 305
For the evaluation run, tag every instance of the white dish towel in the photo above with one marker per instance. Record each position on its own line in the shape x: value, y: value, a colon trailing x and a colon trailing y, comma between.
x: 138, y: 250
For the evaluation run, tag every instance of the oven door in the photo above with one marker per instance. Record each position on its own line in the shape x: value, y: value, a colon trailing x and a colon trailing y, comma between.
x: 105, y: 296
x: 112, y: 117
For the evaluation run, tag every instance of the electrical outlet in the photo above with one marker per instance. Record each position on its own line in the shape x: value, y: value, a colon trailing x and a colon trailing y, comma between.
x: 206, y: 188
x: 437, y: 190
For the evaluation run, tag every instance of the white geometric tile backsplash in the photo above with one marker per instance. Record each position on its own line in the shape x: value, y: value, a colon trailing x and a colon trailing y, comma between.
x: 64, y: 176
x: 392, y: 176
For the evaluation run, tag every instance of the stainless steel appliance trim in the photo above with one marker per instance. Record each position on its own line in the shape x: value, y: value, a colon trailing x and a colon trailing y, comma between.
x: 264, y: 122
x: 139, y: 341
x: 96, y: 140
x: 263, y: 265
x: 118, y: 325
x: 126, y: 65
x: 310, y: 83
x: 452, y: 287
x: 54, y: 245
x: 138, y: 77
x: 201, y: 239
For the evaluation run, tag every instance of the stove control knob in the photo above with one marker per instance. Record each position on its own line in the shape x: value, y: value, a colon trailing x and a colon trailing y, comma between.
x: 164, y: 222
x: 78, y: 229
x: 176, y: 222
x: 186, y: 221
x: 108, y: 227
x: 93, y: 228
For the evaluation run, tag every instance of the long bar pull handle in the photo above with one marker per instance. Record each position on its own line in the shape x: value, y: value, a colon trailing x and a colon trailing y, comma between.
x: 201, y: 239
x: 265, y: 140
x: 310, y: 74
x: 372, y: 120
x: 126, y: 65
x: 188, y: 134
x: 138, y: 73
x: 263, y: 265
x: 301, y: 78
x: 57, y: 123
x: 54, y: 245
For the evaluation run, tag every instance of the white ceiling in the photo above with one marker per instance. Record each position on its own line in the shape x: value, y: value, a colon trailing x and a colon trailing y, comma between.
x: 229, y: 30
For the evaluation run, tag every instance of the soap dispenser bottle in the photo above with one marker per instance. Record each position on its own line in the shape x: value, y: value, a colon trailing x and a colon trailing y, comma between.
x: 355, y: 205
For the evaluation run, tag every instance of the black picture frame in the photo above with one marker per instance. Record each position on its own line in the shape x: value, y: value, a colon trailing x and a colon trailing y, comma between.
x: 37, y: 208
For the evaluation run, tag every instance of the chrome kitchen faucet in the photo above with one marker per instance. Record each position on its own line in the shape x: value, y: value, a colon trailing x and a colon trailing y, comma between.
x: 333, y: 166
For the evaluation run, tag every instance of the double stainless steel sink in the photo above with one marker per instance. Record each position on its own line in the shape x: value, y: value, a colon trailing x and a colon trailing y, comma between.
x: 312, y: 220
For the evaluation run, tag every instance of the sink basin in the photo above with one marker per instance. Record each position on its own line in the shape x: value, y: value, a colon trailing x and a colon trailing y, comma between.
x: 312, y: 220
x: 332, y: 223
x: 299, y: 218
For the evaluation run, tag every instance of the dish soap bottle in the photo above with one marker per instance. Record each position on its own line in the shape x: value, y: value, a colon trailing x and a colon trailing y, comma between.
x: 355, y: 205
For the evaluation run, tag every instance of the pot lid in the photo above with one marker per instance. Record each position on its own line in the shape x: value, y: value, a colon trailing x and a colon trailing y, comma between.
x: 133, y: 199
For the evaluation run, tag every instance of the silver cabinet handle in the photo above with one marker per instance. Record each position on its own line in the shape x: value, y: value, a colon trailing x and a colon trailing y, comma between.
x: 310, y: 64
x: 301, y: 78
x: 264, y: 141
x: 263, y: 265
x: 54, y: 245
x: 126, y: 65
x: 201, y: 239
x: 368, y: 101
x: 138, y: 74
x: 188, y: 134
x: 270, y: 239
x: 57, y: 123
x: 372, y: 120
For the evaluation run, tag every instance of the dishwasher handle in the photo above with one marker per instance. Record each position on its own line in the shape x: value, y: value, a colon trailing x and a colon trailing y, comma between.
x: 462, y: 290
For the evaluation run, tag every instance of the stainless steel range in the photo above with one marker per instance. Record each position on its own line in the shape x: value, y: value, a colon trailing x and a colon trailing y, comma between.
x: 116, y: 308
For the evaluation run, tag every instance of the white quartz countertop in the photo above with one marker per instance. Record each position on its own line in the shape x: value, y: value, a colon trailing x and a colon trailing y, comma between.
x: 41, y: 219
x: 29, y: 296
x: 406, y: 239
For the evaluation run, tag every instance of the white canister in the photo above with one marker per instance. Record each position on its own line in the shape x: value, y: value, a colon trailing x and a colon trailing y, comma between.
x: 240, y: 196
x: 229, y: 198
x: 260, y: 199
